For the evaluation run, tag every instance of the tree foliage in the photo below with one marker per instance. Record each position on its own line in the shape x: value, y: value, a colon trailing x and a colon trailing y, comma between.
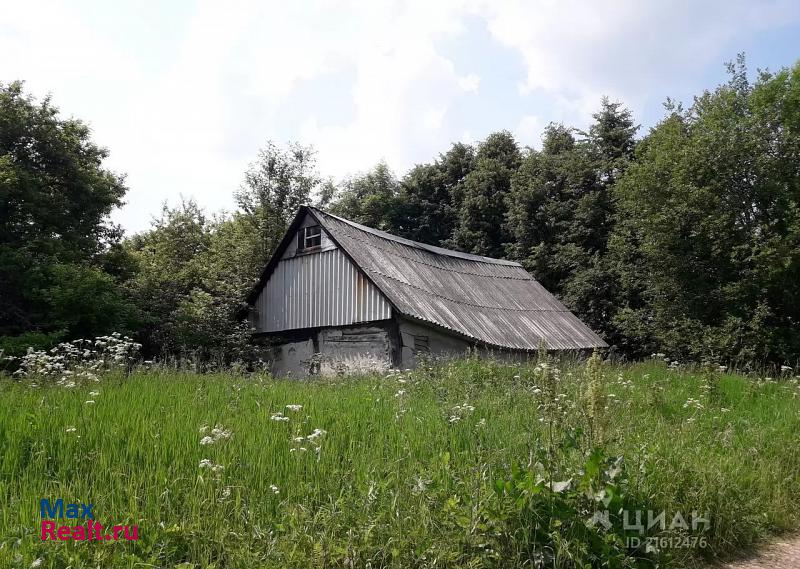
x: 560, y: 211
x: 193, y: 272
x: 58, y: 251
x: 686, y: 241
x: 481, y: 225
x: 708, y: 217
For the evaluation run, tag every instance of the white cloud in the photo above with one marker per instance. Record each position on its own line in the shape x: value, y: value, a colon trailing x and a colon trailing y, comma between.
x: 184, y: 108
x: 625, y: 49
x: 469, y: 82
x: 529, y: 131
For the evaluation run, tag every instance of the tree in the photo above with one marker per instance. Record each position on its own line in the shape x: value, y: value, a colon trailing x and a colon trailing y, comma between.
x: 167, y: 272
x: 55, y: 198
x: 193, y: 272
x: 370, y: 198
x: 560, y: 212
x: 275, y: 186
x: 431, y: 196
x: 481, y: 225
x: 708, y: 225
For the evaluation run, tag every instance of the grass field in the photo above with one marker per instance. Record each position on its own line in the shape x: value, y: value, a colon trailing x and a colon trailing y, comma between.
x: 466, y: 464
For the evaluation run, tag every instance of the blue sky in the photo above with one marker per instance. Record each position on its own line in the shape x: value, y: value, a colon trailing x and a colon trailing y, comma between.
x: 184, y: 93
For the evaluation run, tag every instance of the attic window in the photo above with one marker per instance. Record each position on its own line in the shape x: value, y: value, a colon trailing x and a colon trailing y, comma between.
x: 309, y: 237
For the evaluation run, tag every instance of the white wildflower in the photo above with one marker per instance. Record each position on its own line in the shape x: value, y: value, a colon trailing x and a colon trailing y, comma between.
x: 481, y: 423
x: 206, y: 463
x: 219, y: 432
x: 207, y: 441
x: 274, y: 489
x: 71, y: 429
x: 90, y: 402
x: 94, y: 393
x: 279, y: 417
x: 36, y: 563
x: 316, y: 434
x: 420, y: 485
x: 294, y: 407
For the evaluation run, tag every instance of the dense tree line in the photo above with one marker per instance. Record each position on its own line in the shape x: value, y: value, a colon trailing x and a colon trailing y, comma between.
x: 685, y: 240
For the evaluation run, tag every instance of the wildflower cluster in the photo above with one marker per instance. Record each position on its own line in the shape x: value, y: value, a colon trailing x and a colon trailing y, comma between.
x: 70, y: 362
x: 694, y: 404
x: 280, y: 417
x: 400, y: 395
x: 710, y: 374
x: 218, y: 433
x: 314, y: 441
x: 459, y: 411
x: 301, y: 443
x: 215, y: 468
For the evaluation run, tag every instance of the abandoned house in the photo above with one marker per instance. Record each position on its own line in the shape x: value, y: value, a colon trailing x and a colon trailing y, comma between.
x: 335, y: 290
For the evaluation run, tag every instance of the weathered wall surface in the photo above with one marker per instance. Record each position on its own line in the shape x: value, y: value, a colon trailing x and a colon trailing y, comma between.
x: 291, y: 359
x: 414, y: 336
x: 362, y: 341
x: 367, y: 347
x: 316, y: 290
x: 417, y: 339
x: 303, y: 352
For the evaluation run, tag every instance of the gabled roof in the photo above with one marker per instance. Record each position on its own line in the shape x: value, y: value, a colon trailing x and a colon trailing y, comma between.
x: 490, y: 301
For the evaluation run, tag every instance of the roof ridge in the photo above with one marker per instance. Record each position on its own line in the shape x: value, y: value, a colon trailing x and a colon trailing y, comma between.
x: 416, y: 244
x: 462, y: 302
x: 527, y: 277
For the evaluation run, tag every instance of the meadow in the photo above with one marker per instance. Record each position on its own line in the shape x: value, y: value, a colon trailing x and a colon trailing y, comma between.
x: 459, y: 464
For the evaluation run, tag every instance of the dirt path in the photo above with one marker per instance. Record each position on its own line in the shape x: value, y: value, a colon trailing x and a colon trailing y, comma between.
x: 781, y: 554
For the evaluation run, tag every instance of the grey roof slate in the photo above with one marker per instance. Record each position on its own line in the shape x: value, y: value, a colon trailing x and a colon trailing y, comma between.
x: 492, y: 301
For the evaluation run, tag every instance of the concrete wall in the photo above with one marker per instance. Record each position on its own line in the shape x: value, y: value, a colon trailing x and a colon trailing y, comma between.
x: 417, y: 339
x: 367, y: 347
x: 291, y: 359
x: 331, y: 350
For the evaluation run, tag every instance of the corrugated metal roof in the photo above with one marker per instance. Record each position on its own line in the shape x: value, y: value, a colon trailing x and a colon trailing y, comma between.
x: 493, y: 301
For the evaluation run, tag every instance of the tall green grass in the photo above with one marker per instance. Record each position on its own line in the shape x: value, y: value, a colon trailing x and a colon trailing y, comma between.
x: 430, y: 468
